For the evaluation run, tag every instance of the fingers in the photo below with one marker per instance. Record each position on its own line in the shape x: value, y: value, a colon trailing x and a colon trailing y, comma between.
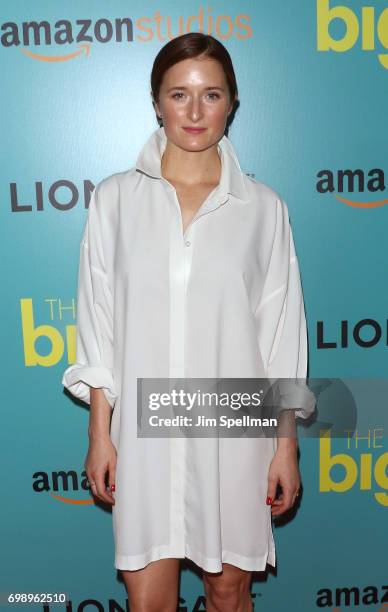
x: 112, y: 480
x: 271, y: 490
x: 99, y: 488
x: 285, y: 501
x: 281, y: 504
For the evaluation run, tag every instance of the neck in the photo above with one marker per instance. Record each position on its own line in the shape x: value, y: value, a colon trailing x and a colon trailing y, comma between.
x: 191, y: 167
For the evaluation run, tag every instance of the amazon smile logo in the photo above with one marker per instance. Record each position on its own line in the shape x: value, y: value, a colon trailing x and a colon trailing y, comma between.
x: 65, y: 487
x: 363, y: 186
x: 84, y: 32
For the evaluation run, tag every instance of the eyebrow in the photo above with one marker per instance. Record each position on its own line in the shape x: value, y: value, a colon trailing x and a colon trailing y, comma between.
x: 206, y: 88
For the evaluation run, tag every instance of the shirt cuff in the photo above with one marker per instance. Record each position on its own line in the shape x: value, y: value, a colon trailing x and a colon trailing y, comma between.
x: 79, y: 378
x: 290, y: 394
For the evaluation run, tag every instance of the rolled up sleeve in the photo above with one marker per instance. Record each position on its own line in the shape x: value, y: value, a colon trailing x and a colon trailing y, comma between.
x: 281, y: 322
x: 94, y: 363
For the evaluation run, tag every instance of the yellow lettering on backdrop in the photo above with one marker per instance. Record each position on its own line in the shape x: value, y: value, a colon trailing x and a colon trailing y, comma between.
x: 326, y: 14
x: 31, y: 335
x: 364, y: 471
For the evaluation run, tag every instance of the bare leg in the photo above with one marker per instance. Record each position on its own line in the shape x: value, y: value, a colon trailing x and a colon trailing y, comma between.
x: 229, y: 590
x: 153, y: 588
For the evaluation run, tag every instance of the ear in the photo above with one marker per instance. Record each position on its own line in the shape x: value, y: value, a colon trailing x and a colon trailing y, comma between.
x: 156, y: 106
x: 231, y: 107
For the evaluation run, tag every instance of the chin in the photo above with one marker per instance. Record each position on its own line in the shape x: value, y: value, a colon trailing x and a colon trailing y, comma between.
x: 193, y: 147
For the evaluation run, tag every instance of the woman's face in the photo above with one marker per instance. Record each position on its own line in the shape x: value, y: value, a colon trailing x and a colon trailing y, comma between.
x: 194, y: 93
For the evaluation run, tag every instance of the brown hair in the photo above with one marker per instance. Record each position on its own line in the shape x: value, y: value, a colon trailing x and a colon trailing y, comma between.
x: 187, y: 46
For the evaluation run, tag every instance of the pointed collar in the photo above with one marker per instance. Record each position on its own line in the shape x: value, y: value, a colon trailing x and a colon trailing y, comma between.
x: 232, y: 178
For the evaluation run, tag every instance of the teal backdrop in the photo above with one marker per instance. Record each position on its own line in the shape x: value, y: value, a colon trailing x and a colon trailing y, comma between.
x: 312, y: 123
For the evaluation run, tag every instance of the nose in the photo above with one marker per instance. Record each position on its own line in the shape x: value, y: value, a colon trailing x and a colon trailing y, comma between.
x: 195, y: 109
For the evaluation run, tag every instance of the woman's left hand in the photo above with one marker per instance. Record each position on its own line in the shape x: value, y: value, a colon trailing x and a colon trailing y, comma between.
x: 284, y: 470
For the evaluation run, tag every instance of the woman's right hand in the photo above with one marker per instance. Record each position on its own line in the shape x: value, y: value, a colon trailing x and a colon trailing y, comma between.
x: 100, y: 459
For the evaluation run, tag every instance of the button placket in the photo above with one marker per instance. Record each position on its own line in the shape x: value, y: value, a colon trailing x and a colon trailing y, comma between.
x: 181, y: 254
x: 188, y: 255
x: 178, y: 467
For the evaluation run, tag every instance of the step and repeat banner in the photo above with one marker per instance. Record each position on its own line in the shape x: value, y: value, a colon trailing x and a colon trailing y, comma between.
x: 312, y: 123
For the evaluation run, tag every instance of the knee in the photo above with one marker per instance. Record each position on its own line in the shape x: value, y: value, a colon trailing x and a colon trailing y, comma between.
x: 227, y: 596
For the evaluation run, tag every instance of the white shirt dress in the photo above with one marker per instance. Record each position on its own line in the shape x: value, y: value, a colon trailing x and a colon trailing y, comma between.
x: 224, y: 299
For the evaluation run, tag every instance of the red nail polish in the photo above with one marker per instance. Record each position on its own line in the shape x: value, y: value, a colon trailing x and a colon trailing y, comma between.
x: 112, y: 487
x: 269, y: 501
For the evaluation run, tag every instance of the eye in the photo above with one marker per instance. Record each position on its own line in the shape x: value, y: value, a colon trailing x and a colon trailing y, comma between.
x: 214, y: 96
x: 177, y: 95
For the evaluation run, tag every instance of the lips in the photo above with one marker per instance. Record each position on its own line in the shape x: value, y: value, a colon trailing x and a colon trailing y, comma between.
x: 191, y: 130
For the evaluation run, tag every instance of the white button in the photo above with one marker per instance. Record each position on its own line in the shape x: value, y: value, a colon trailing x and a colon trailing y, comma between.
x: 187, y: 243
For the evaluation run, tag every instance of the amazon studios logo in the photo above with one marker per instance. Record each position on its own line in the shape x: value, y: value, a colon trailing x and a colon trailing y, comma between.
x: 85, y: 31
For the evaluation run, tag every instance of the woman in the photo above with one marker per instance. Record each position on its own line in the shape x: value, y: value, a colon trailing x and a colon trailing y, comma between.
x: 187, y: 269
